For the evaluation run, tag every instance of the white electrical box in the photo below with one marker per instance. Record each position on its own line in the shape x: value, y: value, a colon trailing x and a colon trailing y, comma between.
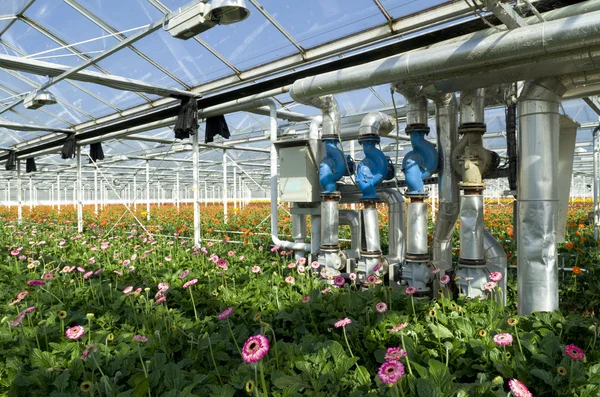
x: 298, y: 175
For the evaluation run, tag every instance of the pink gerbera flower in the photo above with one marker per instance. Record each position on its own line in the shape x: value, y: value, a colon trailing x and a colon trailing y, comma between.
x: 343, y: 322
x: 445, y: 279
x: 315, y: 265
x: 36, y: 282
x: 436, y: 270
x: 574, y: 352
x: 160, y: 300
x: 128, y: 290
x: 255, y: 348
x: 339, y: 281
x: 184, y: 274
x: 225, y: 313
x: 255, y: 269
x: 140, y: 338
x: 302, y: 261
x: 290, y: 279
x: 503, y: 339
x: 352, y: 276
x: 394, y: 354
x: 306, y: 299
x: 398, y: 328
x: 390, y: 372
x: 88, y: 275
x: 190, y: 283
x: 495, y: 276
x: 489, y: 286
x: 410, y: 290
x: 75, y: 332
x: 518, y: 388
x: 163, y: 286
x: 381, y: 307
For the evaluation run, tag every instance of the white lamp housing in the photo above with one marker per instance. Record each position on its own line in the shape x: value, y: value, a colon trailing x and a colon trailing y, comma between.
x: 37, y: 99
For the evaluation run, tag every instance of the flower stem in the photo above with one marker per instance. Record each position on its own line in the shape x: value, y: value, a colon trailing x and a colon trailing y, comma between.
x: 352, y: 355
x: 213, y: 360
x: 193, y: 303
x: 571, y: 374
x: 262, y: 378
x: 233, y: 337
x: 407, y: 359
x: 412, y: 302
x: 519, y: 341
x: 275, y: 348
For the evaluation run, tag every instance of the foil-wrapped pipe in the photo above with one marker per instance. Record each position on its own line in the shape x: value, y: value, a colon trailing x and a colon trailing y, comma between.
x: 471, y: 228
x: 472, y: 106
x: 371, y: 243
x: 315, y: 235
x: 396, y: 241
x: 352, y: 219
x: 330, y: 225
x: 416, y: 229
x: 495, y: 258
x: 299, y: 232
x: 417, y: 104
x: 537, y: 270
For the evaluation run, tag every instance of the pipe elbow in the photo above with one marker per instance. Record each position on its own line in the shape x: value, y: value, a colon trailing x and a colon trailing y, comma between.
x: 376, y: 123
x: 371, y: 171
x: 411, y: 166
x: 332, y: 168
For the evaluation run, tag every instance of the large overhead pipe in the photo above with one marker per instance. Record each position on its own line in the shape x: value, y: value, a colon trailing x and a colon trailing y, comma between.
x: 563, y: 46
x: 417, y: 165
x: 447, y: 137
x: 537, y: 270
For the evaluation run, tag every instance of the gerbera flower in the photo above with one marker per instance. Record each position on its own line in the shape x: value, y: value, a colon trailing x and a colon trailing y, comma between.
x: 306, y: 299
x: 225, y: 313
x: 290, y: 279
x: 518, y: 388
x: 184, y: 274
x: 574, y: 352
x: 489, y: 286
x: 503, y: 339
x: 398, y: 328
x: 390, y: 372
x: 140, y: 338
x: 394, y: 354
x: 255, y: 269
x: 190, y: 283
x: 381, y: 307
x: 343, y: 322
x: 495, y: 276
x: 445, y: 279
x: 255, y: 348
x: 339, y: 281
x: 36, y: 282
x: 410, y: 290
x: 75, y: 332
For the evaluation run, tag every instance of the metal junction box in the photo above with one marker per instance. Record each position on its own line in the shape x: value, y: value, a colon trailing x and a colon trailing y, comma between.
x: 298, y: 175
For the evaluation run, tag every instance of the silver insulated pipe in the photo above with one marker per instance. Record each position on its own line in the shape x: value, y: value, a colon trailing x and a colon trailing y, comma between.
x: 447, y: 137
x: 416, y: 229
x: 537, y: 271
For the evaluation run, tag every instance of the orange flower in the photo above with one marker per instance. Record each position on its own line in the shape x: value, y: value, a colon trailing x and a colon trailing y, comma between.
x: 581, y: 226
x: 576, y: 270
x: 569, y: 245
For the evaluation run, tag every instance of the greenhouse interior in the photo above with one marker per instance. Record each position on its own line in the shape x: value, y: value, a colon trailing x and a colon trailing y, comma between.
x: 331, y: 198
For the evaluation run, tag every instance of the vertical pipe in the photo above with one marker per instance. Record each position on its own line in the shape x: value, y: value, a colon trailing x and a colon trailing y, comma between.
x: 30, y: 194
x: 135, y: 193
x: 596, y: 146
x: 74, y: 195
x: 195, y: 188
x: 157, y: 195
x: 58, y: 191
x: 51, y: 194
x: 19, y: 194
x: 96, y: 191
x: 225, y: 185
x: 205, y: 194
x: 537, y: 271
x: 177, y: 189
x: 147, y: 190
x: 9, y: 194
x: 213, y: 195
x: 79, y: 193
x: 235, y: 204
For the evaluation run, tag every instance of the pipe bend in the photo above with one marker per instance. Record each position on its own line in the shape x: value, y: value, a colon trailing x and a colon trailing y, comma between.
x: 376, y: 123
x: 371, y: 170
x: 420, y: 163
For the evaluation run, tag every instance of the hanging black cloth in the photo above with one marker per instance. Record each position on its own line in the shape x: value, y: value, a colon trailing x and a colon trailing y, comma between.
x: 187, y: 120
x: 68, y: 149
x: 30, y: 165
x: 96, y: 152
x: 11, y: 161
x: 216, y: 126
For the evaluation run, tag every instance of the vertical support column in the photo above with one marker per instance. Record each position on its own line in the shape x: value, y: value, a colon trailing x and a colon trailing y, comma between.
x: 235, y: 193
x: 205, y: 194
x: 74, y: 196
x: 96, y: 191
x: 79, y: 193
x: 51, y: 194
x: 30, y: 194
x: 157, y: 195
x: 19, y: 193
x: 9, y: 194
x: 225, y: 185
x: 58, y: 192
x: 177, y: 189
x: 195, y: 189
x: 213, y: 195
x: 147, y: 190
x: 135, y: 193
x: 596, y: 146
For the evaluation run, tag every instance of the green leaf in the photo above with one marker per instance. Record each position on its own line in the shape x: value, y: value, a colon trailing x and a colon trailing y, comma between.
x: 439, y: 331
x: 62, y: 381
x: 427, y: 388
x: 420, y: 369
x: 440, y: 375
x: 222, y: 391
x: 41, y: 359
x: 283, y: 381
x: 543, y: 375
x: 142, y: 388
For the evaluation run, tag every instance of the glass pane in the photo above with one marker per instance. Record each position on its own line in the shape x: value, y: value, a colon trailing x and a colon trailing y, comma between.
x: 29, y: 41
x: 249, y: 43
x: 314, y: 22
x: 44, y: 118
x: 399, y: 9
x: 186, y: 59
x: 79, y: 99
x: 70, y: 25
x: 123, y: 15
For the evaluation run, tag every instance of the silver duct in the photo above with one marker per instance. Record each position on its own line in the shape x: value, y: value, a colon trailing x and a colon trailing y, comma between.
x: 416, y: 228
x: 573, y: 41
x: 315, y: 236
x: 330, y: 224
x: 376, y: 123
x: 495, y: 258
x: 352, y: 219
x: 396, y: 241
x: 299, y: 232
x: 537, y: 271
x: 471, y: 228
x: 417, y: 104
x: 447, y: 137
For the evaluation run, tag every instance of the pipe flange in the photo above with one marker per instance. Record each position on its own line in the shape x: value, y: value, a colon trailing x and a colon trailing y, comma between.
x: 332, y: 137
x: 472, y: 262
x: 330, y: 248
x: 335, y: 196
x: 417, y: 128
x: 471, y: 189
x: 370, y: 254
x: 417, y: 257
x: 472, y: 128
x: 418, y: 197
x: 369, y: 202
x: 365, y: 137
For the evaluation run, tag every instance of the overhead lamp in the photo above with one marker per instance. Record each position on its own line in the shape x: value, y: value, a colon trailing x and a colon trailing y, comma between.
x: 201, y: 15
x: 37, y: 99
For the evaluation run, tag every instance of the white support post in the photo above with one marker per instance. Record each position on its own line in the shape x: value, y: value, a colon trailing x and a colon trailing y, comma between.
x: 147, y: 190
x: 195, y: 188
x: 9, y: 194
x: 235, y: 194
x: 225, y: 185
x: 51, y: 194
x: 58, y: 192
x: 157, y: 194
x: 135, y: 194
x: 205, y: 194
x: 213, y: 194
x: 177, y: 190
x: 19, y: 194
x: 79, y: 193
x: 95, y: 191
x: 74, y: 195
x: 30, y: 194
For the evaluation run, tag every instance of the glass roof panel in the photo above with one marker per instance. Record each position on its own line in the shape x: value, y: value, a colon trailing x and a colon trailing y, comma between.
x: 44, y: 118
x: 13, y: 6
x: 4, y: 23
x: 131, y: 13
x: 15, y: 118
x: 29, y: 41
x: 249, y: 43
x: 53, y: 14
x: 186, y: 59
x: 80, y: 99
x: 126, y: 63
x: 399, y: 9
x: 314, y: 22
